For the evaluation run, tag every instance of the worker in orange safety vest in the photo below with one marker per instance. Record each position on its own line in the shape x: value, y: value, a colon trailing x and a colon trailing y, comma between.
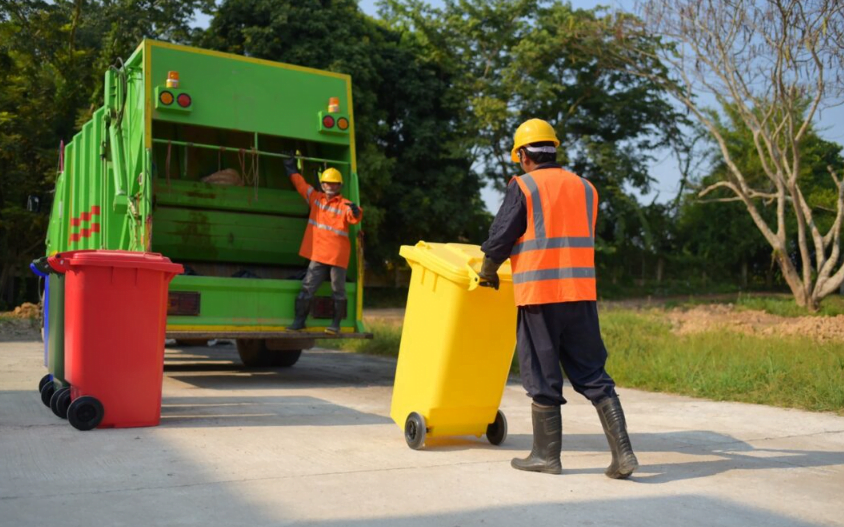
x: 326, y: 242
x: 546, y: 226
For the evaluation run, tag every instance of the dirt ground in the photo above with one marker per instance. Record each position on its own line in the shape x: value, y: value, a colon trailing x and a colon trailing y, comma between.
x: 709, y: 317
x: 23, y: 323
x: 726, y: 316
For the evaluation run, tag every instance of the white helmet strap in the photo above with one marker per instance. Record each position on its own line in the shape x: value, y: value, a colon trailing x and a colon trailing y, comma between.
x: 538, y: 149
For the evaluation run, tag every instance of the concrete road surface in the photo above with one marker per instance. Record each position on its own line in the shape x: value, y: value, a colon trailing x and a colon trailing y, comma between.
x: 314, y: 445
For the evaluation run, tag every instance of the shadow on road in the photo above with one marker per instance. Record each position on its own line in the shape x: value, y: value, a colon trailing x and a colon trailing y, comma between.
x: 191, y: 412
x: 219, y: 368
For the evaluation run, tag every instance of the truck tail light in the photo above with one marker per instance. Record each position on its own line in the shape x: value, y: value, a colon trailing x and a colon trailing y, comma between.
x: 166, y: 98
x: 181, y: 303
x: 342, y: 123
x: 172, y: 79
x: 328, y: 121
x: 184, y: 100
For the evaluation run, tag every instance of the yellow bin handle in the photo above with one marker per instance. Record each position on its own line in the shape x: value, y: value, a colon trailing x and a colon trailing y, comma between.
x: 474, y: 278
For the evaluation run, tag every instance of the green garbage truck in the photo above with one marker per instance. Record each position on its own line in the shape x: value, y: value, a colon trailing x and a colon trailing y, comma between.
x: 185, y: 158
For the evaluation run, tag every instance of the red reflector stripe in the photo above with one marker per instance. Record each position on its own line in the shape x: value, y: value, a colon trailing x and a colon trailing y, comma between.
x: 95, y: 209
x: 74, y: 222
x: 95, y: 227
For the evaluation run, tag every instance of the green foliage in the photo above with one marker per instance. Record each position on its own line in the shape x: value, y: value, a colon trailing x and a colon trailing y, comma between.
x: 52, y: 59
x: 517, y: 59
x: 791, y: 372
x: 722, y: 236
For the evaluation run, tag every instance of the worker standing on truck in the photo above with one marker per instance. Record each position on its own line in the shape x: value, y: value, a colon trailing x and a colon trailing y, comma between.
x: 546, y: 226
x: 326, y: 243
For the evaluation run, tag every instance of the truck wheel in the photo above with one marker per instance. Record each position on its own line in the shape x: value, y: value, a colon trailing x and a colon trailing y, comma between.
x: 85, y: 413
x: 283, y: 359
x: 255, y: 354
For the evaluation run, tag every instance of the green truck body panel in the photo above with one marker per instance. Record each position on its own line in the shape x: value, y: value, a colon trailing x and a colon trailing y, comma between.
x: 132, y: 179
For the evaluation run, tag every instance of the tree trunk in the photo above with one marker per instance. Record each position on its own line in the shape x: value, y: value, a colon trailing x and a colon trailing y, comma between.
x: 744, y: 274
x: 660, y: 269
x: 792, y: 278
x: 5, y: 283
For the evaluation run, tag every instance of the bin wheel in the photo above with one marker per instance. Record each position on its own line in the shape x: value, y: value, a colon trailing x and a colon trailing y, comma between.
x: 85, y: 413
x: 496, y: 432
x: 44, y: 380
x: 60, y: 401
x: 414, y: 431
x: 47, y: 393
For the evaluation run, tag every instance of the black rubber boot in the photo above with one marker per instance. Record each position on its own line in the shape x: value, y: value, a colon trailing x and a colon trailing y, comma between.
x: 624, y: 461
x: 547, y: 442
x: 339, y: 315
x: 303, y: 307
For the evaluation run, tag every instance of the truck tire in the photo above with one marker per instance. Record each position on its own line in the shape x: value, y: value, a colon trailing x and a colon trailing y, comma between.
x: 255, y: 354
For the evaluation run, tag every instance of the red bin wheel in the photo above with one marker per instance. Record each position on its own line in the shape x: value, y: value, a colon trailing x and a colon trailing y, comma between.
x: 85, y: 413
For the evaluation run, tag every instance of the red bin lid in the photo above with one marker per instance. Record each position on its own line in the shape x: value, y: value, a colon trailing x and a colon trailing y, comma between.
x: 137, y: 260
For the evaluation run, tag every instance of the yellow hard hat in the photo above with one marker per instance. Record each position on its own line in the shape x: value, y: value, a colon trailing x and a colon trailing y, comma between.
x: 331, y: 175
x: 532, y: 131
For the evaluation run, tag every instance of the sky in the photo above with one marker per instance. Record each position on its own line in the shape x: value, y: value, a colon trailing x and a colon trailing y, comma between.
x: 830, y: 123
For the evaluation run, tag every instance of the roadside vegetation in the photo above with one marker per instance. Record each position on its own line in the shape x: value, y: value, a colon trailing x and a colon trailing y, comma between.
x: 721, y: 364
x: 793, y: 372
x: 774, y: 304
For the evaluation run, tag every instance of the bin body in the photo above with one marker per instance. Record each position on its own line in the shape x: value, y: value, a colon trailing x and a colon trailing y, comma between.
x: 45, y: 307
x: 115, y: 317
x: 54, y: 310
x: 457, y: 344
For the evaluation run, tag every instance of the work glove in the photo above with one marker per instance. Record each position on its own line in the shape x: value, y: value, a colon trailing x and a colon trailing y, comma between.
x: 489, y: 274
x: 290, y: 164
x: 355, y: 210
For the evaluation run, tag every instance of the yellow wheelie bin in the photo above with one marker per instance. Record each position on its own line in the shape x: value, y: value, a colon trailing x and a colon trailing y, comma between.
x: 456, y: 348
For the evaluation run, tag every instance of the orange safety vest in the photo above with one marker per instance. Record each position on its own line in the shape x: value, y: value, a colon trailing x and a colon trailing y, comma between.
x: 554, y: 260
x: 327, y: 234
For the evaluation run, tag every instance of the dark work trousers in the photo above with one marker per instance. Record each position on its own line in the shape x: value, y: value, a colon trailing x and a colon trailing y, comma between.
x: 566, y: 333
x: 317, y: 273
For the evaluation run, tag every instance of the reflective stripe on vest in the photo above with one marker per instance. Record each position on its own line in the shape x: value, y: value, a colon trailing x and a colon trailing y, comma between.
x: 548, y: 267
x: 328, y: 228
x: 554, y: 274
x: 325, y: 207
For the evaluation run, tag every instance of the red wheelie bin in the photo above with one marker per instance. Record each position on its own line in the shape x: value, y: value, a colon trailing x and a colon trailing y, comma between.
x: 115, y: 318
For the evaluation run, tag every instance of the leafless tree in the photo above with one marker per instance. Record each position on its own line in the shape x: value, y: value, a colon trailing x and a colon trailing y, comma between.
x: 779, y: 63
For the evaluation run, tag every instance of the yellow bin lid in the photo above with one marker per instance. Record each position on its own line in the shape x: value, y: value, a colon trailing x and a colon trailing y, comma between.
x: 457, y: 262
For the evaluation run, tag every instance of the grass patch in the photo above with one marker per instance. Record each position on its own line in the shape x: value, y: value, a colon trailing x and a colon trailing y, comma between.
x: 774, y: 304
x: 785, y: 306
x: 725, y: 366
x: 791, y: 372
x: 385, y: 342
